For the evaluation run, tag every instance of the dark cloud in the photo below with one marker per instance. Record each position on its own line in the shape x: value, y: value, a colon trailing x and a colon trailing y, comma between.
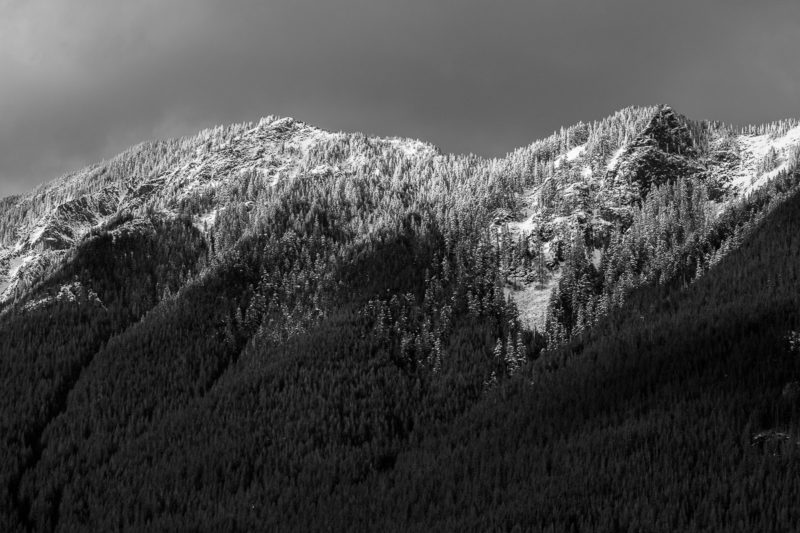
x: 84, y: 79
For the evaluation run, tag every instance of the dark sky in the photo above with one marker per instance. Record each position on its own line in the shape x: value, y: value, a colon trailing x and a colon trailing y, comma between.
x: 81, y: 80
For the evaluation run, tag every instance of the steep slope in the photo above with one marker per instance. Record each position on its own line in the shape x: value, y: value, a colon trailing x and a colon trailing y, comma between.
x: 601, y: 179
x: 111, y: 280
x: 585, y: 178
x: 267, y: 324
x: 676, y: 414
x: 198, y: 175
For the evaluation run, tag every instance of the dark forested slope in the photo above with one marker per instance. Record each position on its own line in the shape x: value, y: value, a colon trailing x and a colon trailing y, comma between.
x: 679, y: 413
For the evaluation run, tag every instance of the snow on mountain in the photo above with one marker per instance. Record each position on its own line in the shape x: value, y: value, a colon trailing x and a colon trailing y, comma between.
x: 587, y: 177
x: 164, y: 176
x: 595, y: 188
x: 570, y: 156
x: 614, y: 159
x: 755, y: 149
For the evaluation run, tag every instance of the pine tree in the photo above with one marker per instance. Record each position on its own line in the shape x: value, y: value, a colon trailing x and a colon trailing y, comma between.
x: 498, y: 350
x: 512, y: 364
x: 521, y: 350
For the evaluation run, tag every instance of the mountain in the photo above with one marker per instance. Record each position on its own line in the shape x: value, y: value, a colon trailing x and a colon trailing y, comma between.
x: 201, y: 175
x: 587, y: 175
x: 270, y: 326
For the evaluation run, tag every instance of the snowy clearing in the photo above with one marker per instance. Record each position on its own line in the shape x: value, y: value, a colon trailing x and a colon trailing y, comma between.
x: 532, y: 301
x: 570, y: 156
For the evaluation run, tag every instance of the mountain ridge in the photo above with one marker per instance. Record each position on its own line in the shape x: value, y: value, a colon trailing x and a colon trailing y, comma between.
x: 207, y: 171
x: 290, y: 328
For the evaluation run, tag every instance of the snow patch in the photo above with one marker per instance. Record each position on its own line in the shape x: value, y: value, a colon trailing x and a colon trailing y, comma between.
x: 321, y: 170
x: 526, y: 226
x: 309, y: 138
x: 753, y: 149
x: 15, y: 265
x: 576, y: 152
x: 613, y: 162
x: 597, y: 257
x: 532, y: 301
x: 570, y: 156
x: 36, y: 233
x: 791, y: 138
x: 409, y: 147
x: 206, y: 221
x: 759, y: 181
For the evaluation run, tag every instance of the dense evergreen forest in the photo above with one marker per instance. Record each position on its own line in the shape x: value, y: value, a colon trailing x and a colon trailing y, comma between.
x: 342, y: 350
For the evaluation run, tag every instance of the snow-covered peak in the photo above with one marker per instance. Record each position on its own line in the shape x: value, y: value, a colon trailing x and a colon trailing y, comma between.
x: 598, y: 172
x: 595, y: 186
x: 209, y: 169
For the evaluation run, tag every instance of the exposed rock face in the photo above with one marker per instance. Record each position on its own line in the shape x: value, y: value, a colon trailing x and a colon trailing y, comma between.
x: 72, y: 219
x: 663, y: 152
x: 595, y: 188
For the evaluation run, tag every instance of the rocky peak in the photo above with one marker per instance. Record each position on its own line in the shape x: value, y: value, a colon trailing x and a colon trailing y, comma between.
x: 668, y: 132
x: 663, y: 152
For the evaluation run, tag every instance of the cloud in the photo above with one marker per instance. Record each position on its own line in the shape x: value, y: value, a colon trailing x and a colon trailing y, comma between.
x: 84, y: 79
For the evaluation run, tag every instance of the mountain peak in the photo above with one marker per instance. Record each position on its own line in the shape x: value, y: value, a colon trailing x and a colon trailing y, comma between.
x: 667, y: 131
x: 612, y: 163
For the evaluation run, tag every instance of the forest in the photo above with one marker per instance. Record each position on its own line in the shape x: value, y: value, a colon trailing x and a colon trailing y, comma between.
x: 342, y: 350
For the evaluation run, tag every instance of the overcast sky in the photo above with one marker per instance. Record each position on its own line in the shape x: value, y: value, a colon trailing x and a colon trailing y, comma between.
x: 81, y: 80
